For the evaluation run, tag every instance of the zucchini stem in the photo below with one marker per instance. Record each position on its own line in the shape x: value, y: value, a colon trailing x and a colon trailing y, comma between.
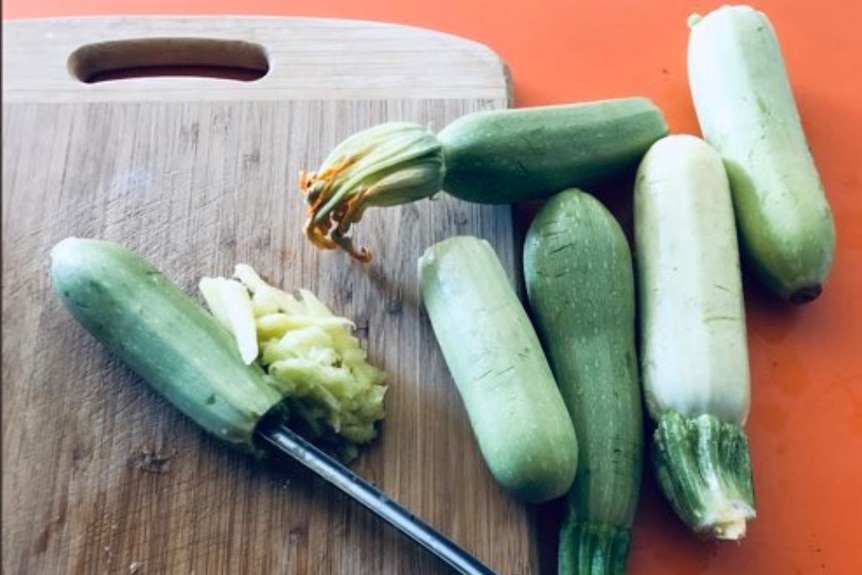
x: 704, y: 468
x: 592, y: 548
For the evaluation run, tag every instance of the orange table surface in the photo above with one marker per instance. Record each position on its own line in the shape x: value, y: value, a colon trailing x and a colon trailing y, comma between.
x: 805, y: 425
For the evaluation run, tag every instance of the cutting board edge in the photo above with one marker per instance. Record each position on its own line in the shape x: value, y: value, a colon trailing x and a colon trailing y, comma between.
x: 385, y: 57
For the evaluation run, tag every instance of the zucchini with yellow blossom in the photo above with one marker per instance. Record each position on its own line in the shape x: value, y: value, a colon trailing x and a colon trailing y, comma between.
x: 489, y: 157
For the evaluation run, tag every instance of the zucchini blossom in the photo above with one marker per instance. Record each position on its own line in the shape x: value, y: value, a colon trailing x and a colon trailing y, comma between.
x: 386, y: 165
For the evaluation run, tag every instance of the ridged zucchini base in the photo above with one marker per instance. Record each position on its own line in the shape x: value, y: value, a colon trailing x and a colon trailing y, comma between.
x: 704, y: 469
x: 592, y: 549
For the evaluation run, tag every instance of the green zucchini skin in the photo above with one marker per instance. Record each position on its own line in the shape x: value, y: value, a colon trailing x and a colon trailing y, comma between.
x: 580, y: 284
x: 507, y: 156
x: 515, y: 409
x: 746, y: 109
x: 163, y: 335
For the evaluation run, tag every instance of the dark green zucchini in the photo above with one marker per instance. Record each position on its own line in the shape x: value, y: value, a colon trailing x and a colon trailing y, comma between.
x: 580, y: 284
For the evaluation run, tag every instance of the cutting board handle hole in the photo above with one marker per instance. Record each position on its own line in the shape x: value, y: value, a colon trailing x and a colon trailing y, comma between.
x: 161, y: 57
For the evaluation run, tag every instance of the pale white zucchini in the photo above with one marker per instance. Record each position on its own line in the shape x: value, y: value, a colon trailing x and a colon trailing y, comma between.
x: 694, y: 354
x: 746, y: 109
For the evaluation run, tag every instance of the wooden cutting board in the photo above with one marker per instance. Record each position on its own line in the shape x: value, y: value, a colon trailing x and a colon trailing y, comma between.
x: 100, y: 475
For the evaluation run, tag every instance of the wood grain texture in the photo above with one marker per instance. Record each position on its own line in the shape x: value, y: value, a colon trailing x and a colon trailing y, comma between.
x: 100, y: 475
x: 320, y: 59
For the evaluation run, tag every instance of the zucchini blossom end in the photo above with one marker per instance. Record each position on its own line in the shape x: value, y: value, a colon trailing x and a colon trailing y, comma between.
x: 386, y: 165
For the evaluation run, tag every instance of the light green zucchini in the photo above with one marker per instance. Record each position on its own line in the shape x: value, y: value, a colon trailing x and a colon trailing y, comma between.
x: 515, y: 409
x: 747, y: 112
x: 211, y: 366
x: 490, y: 157
x: 163, y: 335
x: 580, y: 284
x: 693, y: 344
